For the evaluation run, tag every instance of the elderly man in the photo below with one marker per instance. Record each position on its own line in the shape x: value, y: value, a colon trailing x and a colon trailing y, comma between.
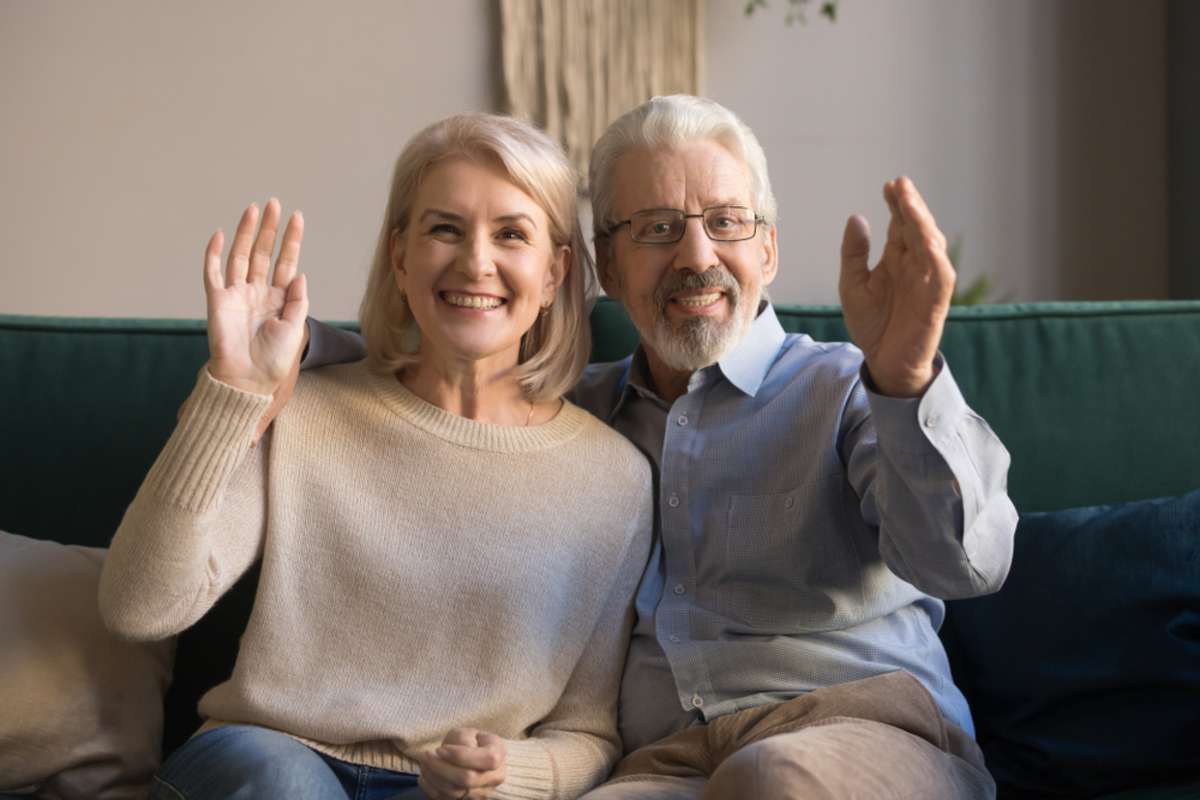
x: 817, y: 501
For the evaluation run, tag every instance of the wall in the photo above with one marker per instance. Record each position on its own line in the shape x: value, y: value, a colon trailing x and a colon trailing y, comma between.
x: 132, y: 129
x: 1035, y: 129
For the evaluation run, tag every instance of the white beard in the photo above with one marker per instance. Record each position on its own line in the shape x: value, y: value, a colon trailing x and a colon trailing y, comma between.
x: 698, y: 342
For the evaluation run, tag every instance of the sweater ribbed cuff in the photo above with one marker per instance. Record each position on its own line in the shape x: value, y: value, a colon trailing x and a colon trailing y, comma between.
x: 213, y: 435
x: 530, y: 773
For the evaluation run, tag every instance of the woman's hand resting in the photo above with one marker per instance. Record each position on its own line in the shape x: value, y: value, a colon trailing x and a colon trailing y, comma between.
x: 255, y: 325
x: 468, y: 764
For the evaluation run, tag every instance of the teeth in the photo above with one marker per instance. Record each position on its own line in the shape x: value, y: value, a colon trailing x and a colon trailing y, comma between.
x: 698, y: 300
x: 472, y: 301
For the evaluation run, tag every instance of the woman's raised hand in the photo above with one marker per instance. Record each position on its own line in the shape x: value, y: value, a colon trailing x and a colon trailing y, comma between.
x: 255, y: 325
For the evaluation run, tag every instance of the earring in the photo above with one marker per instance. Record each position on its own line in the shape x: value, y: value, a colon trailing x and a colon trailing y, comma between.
x: 545, y: 309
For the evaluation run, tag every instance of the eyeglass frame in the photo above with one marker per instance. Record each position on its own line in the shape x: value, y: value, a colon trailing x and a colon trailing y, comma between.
x: 758, y: 220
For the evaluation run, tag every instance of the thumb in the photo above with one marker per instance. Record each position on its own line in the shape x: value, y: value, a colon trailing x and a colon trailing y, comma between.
x: 856, y: 247
x: 295, y: 304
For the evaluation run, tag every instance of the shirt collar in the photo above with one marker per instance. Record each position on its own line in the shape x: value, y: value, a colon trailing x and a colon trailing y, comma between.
x: 746, y: 365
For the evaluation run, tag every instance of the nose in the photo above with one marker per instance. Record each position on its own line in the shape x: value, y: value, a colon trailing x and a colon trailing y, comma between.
x: 475, y: 258
x: 695, y: 250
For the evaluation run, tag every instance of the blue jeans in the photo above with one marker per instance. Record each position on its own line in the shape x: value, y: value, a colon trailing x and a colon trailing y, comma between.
x: 244, y: 762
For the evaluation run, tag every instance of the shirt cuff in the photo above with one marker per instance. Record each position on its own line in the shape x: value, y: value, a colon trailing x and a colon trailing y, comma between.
x: 917, y: 424
x: 330, y: 345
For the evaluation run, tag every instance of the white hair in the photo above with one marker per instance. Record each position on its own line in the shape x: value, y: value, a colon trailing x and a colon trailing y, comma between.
x: 665, y: 121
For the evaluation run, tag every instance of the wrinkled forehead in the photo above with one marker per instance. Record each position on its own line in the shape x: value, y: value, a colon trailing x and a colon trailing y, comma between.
x: 687, y: 175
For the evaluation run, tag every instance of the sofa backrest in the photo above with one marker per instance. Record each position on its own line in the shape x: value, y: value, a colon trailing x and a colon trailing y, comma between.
x: 1096, y: 402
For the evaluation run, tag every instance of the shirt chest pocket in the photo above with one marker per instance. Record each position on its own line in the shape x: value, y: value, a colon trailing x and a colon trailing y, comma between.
x: 790, y: 563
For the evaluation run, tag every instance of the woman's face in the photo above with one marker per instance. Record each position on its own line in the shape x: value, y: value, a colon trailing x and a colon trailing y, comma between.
x: 476, y: 263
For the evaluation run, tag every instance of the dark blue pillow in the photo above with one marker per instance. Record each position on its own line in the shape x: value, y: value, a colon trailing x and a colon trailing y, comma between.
x: 1083, y: 671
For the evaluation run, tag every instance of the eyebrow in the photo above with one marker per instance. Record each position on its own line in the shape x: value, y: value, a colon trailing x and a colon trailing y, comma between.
x: 718, y: 204
x: 450, y: 215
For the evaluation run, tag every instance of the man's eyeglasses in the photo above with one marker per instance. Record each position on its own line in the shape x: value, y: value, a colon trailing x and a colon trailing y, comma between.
x: 667, y: 225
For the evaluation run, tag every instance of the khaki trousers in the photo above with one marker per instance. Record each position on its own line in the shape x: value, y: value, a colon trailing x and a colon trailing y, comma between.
x: 882, y: 737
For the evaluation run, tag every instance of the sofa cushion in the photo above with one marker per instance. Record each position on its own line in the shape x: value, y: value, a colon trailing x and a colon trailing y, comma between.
x: 82, y: 710
x: 1083, y: 672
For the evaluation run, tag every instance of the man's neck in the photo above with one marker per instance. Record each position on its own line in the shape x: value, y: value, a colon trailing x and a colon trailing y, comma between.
x: 669, y: 383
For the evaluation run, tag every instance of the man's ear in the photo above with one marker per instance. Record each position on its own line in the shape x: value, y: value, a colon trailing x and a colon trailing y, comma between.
x: 605, y: 268
x: 396, y: 249
x: 560, y: 267
x: 770, y: 254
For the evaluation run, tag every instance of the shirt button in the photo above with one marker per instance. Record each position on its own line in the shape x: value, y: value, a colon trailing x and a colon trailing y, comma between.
x: 791, y: 501
x: 673, y: 501
x: 931, y: 420
x: 675, y: 638
x: 697, y: 701
x: 680, y: 589
x: 682, y: 420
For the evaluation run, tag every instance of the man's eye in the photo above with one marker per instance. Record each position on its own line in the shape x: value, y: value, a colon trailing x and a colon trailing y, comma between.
x: 722, y: 222
x: 660, y: 228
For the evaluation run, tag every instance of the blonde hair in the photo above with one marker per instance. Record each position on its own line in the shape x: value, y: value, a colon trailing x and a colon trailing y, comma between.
x: 665, y: 121
x: 555, y: 350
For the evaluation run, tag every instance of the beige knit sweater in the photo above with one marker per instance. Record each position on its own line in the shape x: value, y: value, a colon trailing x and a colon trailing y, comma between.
x: 420, y: 572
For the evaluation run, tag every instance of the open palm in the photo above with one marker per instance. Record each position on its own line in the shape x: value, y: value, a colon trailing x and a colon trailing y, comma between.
x: 896, y: 312
x: 255, y: 325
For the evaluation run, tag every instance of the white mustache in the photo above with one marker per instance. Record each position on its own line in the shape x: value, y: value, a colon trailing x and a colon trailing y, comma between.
x: 714, y: 278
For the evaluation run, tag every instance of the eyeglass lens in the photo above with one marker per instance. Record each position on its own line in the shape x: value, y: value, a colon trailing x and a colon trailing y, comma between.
x: 665, y: 225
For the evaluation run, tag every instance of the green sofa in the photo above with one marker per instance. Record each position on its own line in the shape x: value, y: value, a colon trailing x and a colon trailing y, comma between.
x: 1097, y: 402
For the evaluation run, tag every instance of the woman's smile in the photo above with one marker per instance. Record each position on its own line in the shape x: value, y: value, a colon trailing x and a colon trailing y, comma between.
x: 472, y: 301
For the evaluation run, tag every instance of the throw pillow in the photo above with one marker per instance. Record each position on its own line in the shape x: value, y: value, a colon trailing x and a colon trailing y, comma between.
x: 82, y: 710
x: 1083, y: 671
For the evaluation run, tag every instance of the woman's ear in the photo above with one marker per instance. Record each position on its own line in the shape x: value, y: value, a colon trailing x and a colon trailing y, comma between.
x: 560, y: 267
x: 396, y: 249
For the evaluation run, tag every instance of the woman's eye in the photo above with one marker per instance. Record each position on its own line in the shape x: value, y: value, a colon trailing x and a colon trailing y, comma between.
x: 444, y: 229
x: 513, y: 234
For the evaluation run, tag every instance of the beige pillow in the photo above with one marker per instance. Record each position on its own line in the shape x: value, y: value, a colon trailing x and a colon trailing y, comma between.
x: 82, y: 711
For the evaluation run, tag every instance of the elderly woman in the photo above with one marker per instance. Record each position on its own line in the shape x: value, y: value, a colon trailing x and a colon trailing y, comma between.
x: 449, y: 550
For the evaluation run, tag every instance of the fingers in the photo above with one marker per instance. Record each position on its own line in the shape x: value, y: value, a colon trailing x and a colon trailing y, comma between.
x: 468, y: 761
x: 443, y: 779
x: 289, y: 251
x: 856, y: 246
x: 895, y: 231
x: 239, y: 254
x: 479, y: 759
x: 212, y: 262
x: 264, y: 244
x: 918, y: 227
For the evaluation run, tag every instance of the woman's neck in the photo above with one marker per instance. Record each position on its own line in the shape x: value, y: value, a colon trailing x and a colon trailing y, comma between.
x: 476, y: 390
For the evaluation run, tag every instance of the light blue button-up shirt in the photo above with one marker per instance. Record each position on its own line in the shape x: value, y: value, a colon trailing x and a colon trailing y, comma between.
x: 806, y: 528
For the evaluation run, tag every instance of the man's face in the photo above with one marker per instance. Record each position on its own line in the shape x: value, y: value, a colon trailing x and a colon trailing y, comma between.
x: 692, y: 300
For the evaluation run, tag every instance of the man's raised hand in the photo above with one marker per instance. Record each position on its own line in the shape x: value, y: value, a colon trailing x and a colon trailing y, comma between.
x: 255, y: 325
x: 895, y: 313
